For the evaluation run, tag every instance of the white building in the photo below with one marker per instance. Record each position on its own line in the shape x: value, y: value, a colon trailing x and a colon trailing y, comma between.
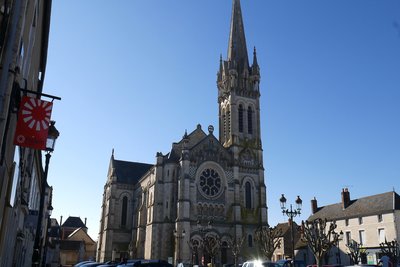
x: 367, y: 220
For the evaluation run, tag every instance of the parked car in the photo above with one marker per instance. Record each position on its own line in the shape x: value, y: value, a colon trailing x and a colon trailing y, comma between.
x: 91, y: 264
x: 109, y: 264
x: 81, y: 263
x: 128, y: 263
x: 145, y: 263
x: 259, y: 263
x: 289, y: 263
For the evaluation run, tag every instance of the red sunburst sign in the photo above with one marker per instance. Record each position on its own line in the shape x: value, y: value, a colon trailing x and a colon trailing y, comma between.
x: 33, y: 123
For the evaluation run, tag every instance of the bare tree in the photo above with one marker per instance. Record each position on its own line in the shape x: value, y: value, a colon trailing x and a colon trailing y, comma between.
x: 356, y: 251
x: 391, y: 249
x: 235, y: 245
x: 319, y: 238
x: 211, y: 245
x: 268, y: 239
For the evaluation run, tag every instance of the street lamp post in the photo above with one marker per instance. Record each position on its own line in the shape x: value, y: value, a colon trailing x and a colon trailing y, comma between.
x: 340, y: 238
x: 50, y: 143
x: 291, y: 213
x: 179, y: 237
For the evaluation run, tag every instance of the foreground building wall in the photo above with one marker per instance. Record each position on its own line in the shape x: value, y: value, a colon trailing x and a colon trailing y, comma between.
x: 23, y: 44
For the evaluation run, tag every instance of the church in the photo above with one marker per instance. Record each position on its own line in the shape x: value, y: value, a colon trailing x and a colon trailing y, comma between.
x: 208, y: 192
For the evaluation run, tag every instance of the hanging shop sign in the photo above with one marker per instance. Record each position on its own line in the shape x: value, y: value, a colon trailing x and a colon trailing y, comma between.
x: 33, y: 123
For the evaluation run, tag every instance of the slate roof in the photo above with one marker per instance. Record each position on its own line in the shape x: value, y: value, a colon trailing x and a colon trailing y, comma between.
x: 73, y: 222
x: 130, y: 172
x: 284, y: 227
x: 366, y: 206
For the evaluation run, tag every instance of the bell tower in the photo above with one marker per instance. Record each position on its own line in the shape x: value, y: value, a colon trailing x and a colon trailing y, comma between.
x: 239, y: 92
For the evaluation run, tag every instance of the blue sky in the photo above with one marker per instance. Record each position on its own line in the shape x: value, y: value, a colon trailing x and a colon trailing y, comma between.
x: 134, y: 75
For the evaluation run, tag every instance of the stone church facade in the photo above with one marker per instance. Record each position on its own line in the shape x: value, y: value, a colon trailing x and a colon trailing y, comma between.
x: 206, y: 186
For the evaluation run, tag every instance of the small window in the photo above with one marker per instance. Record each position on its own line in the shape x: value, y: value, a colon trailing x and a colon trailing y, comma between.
x: 380, y: 218
x: 348, y: 238
x: 250, y: 239
x: 346, y: 222
x: 362, y: 236
x: 381, y: 235
x: 360, y: 220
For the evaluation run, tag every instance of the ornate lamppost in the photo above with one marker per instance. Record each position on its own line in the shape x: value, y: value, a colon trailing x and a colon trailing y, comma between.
x: 291, y: 213
x: 179, y: 237
x: 50, y: 143
x: 340, y: 238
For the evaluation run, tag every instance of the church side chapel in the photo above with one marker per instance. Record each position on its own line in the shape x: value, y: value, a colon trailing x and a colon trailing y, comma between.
x: 206, y: 189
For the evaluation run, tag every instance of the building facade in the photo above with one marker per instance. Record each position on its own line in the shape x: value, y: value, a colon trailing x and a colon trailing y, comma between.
x: 75, y: 245
x: 369, y: 221
x: 285, y: 250
x: 24, y: 35
x: 205, y: 188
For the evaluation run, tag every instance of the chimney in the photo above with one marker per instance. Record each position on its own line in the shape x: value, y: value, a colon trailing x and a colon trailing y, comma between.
x: 345, y: 198
x: 61, y: 228
x: 85, y: 221
x: 314, y: 205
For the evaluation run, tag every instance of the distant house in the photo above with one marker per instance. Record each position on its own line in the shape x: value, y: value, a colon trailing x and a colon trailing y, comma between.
x: 75, y: 243
x: 367, y: 220
x: 70, y: 225
x: 285, y: 249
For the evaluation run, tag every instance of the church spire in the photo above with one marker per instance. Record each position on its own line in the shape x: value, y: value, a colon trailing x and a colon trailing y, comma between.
x: 237, y: 50
x: 238, y: 89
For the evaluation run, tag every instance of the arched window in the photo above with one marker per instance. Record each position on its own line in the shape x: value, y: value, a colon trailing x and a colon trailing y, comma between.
x: 224, y: 121
x: 250, y: 120
x: 124, y: 211
x: 248, y: 195
x: 240, y: 119
x: 250, y: 241
x: 228, y: 118
x: 224, y: 252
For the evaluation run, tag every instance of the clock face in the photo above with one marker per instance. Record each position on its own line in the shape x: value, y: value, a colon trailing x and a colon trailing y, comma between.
x: 210, y: 183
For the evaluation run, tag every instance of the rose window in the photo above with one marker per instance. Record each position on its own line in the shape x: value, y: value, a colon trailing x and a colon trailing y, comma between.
x: 210, y: 182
